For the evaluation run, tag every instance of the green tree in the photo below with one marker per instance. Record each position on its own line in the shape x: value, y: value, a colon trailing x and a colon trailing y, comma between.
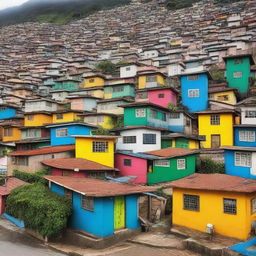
x: 107, y: 67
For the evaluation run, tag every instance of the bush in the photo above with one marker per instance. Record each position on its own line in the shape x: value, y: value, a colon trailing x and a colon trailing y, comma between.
x: 31, y: 177
x: 40, y: 209
x: 208, y: 165
x: 101, y: 131
x: 107, y: 67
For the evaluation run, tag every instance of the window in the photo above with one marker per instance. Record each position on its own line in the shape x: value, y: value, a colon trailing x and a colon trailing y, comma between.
x: 30, y: 117
x: 87, y: 203
x: 59, y: 116
x: 191, y: 202
x: 243, y: 159
x: 193, y: 77
x: 97, y: 174
x: 8, y: 132
x: 151, y: 79
x: 142, y: 95
x: 153, y: 113
x: 149, y: 138
x: 238, y: 61
x: 20, y: 160
x: 248, y: 136
x: 127, y: 162
x: 100, y: 146
x: 62, y: 132
x: 31, y: 133
x: 188, y: 122
x: 237, y: 74
x: 140, y: 112
x: 163, y: 163
x: 223, y: 98
x: 181, y: 164
x: 2, y: 108
x: 229, y: 205
x: 193, y: 93
x: 174, y: 115
x: 118, y: 89
x: 215, y: 119
x: 160, y: 95
x: 250, y: 114
x: 128, y: 68
x: 100, y: 119
x: 253, y: 205
x: 129, y: 139
x: 164, y: 117
x: 91, y: 80
x: 68, y: 193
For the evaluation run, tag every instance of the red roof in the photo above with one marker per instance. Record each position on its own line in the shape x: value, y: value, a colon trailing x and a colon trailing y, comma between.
x: 11, y: 184
x: 172, y: 152
x: 215, y: 182
x: 98, y: 188
x: 75, y: 163
x: 43, y: 151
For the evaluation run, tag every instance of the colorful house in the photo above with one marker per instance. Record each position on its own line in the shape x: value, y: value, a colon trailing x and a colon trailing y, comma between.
x: 226, y: 202
x: 38, y: 118
x: 245, y: 135
x: 64, y: 116
x: 96, y: 148
x: 69, y: 84
x: 149, y: 79
x: 180, y: 121
x: 83, y: 102
x: 194, y: 90
x: 62, y: 133
x: 99, y: 207
x: 217, y: 127
x: 159, y: 96
x: 7, y: 111
x: 40, y: 104
x: 97, y: 92
x: 92, y: 80
x: 78, y: 167
x: 238, y: 71
x: 34, y: 132
x: 29, y: 144
x: 146, y: 114
x: 119, y: 90
x: 226, y: 95
x: 11, y: 132
x: 248, y: 110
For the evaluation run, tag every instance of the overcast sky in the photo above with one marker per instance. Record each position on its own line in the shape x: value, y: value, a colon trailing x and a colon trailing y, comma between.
x: 9, y: 3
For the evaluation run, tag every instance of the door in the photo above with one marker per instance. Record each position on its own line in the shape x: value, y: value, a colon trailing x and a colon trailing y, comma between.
x: 215, y: 141
x: 119, y: 212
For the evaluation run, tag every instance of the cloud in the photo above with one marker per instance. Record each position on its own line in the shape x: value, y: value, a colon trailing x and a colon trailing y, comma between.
x: 10, y: 3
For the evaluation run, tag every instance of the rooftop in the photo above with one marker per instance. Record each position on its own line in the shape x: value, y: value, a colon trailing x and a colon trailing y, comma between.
x: 11, y: 184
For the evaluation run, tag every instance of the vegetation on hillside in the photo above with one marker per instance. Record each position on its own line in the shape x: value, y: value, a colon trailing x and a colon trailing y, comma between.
x: 31, y: 177
x: 179, y: 4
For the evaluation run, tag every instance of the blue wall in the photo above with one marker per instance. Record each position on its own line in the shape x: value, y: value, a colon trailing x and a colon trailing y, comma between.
x: 243, y: 143
x: 231, y: 169
x: 57, y: 189
x: 89, y: 104
x: 72, y: 130
x: 132, y: 221
x: 176, y: 128
x: 195, y: 104
x: 8, y: 113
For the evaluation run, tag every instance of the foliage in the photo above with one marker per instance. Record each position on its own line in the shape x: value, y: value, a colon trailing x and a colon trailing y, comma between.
x: 120, y: 121
x: 208, y: 165
x: 179, y: 4
x: 31, y: 177
x: 40, y: 209
x: 107, y: 67
x: 172, y: 107
x: 101, y: 131
x: 217, y: 75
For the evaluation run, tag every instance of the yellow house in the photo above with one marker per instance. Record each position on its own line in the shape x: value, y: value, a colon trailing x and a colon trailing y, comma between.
x: 106, y: 121
x: 37, y: 118
x: 227, y: 95
x: 66, y: 116
x: 11, y: 133
x: 152, y: 79
x: 217, y: 127
x: 93, y: 81
x: 97, y: 92
x: 96, y: 148
x: 227, y: 202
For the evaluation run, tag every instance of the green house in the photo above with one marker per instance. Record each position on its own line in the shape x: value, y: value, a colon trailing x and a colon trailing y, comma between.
x: 238, y: 71
x: 119, y: 90
x: 66, y: 84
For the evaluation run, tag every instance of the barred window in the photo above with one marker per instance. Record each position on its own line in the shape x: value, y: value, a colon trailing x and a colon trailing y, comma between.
x: 129, y: 139
x: 128, y: 68
x: 193, y: 93
x: 175, y: 115
x: 59, y: 116
x: 21, y: 160
x: 149, y: 138
x: 2, y: 108
x: 253, y: 205
x: 243, y: 159
x: 237, y: 74
x: 68, y: 193
x: 193, y: 77
x: 223, y: 98
x: 191, y: 202
x: 62, y: 132
x: 248, y: 136
x: 8, y: 132
x: 229, y: 205
x: 160, y: 95
x: 151, y: 79
x: 153, y: 113
x: 127, y: 162
x: 140, y: 112
x: 215, y: 119
x: 162, y: 162
x: 181, y: 164
x: 87, y: 203
x: 30, y: 117
x: 250, y: 114
x: 100, y: 146
x: 31, y: 133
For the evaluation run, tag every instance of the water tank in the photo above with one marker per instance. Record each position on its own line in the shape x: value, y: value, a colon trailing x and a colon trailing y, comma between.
x: 209, y: 228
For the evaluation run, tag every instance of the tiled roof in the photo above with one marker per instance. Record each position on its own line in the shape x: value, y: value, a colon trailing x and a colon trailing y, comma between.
x: 217, y: 182
x: 11, y: 184
x: 75, y: 163
x: 172, y: 152
x: 43, y: 151
x: 98, y: 188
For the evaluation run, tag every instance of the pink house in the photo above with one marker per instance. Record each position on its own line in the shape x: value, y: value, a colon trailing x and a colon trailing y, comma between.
x: 161, y: 96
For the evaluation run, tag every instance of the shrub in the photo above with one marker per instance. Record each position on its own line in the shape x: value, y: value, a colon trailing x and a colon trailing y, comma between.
x: 40, y: 209
x: 208, y: 165
x: 107, y: 67
x: 101, y: 131
x: 31, y: 177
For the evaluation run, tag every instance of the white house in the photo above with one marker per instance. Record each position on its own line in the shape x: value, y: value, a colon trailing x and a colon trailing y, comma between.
x: 175, y: 69
x: 40, y: 105
x: 129, y: 70
x: 248, y: 110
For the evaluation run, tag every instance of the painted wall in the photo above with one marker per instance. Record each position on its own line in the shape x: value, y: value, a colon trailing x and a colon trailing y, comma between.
x: 67, y: 117
x: 39, y: 120
x: 97, y: 81
x: 169, y: 97
x: 16, y: 135
x: 66, y: 85
x: 211, y: 211
x: 244, y: 143
x: 131, y: 213
x: 127, y: 91
x: 111, y: 107
x: 221, y: 96
x: 225, y: 129
x: 163, y: 174
x: 138, y: 168
x: 199, y: 103
x: 8, y: 112
x: 107, y: 123
x: 246, y: 120
x: 142, y: 84
x: 128, y: 71
x: 84, y: 150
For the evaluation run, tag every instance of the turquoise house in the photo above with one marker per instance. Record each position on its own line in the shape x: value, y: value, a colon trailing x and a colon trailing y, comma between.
x: 66, y: 84
x: 99, y: 207
x: 119, y: 90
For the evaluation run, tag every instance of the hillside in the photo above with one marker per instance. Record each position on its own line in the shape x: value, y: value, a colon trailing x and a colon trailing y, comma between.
x: 55, y: 11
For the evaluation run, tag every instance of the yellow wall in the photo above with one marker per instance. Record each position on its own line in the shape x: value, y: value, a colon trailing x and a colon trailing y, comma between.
x: 211, y: 211
x: 98, y: 93
x: 231, y: 97
x: 142, y: 81
x: 225, y: 129
x: 98, y: 81
x: 193, y: 144
x: 84, y: 150
x: 67, y: 117
x: 39, y: 120
x: 16, y: 135
x: 108, y: 122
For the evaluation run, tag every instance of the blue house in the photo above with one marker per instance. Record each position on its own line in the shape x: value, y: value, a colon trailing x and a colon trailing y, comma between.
x: 194, y: 90
x: 60, y: 133
x: 7, y: 111
x: 99, y: 207
x: 240, y: 161
x: 245, y: 135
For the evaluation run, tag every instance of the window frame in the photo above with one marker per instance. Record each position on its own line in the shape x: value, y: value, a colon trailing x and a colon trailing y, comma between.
x: 193, y: 77
x: 246, y: 162
x: 147, y: 141
x: 59, y: 132
x: 129, y: 139
x: 181, y: 164
x: 100, y: 146
x: 59, y: 116
x: 127, y: 162
x: 230, y: 209
x: 90, y: 206
x: 193, y: 93
x: 162, y: 163
x: 191, y: 206
x: 247, y: 135
x: 140, y: 112
x: 237, y: 74
x: 215, y: 119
